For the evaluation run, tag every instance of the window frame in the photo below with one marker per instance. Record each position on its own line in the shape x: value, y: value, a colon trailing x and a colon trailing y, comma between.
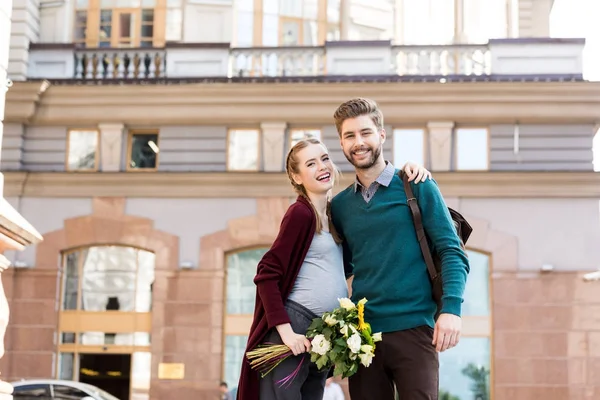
x: 130, y: 135
x: 258, y: 150
x: 455, y: 147
x: 96, y: 155
x: 423, y: 129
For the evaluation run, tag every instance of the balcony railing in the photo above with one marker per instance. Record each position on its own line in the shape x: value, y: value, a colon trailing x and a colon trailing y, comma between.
x: 442, y: 60
x: 529, y: 57
x: 119, y: 63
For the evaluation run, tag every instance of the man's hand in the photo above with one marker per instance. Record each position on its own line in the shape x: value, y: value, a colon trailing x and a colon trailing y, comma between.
x: 446, y: 333
x: 416, y: 172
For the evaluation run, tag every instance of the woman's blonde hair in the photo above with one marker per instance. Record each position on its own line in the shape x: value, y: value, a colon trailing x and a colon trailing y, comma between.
x: 291, y: 167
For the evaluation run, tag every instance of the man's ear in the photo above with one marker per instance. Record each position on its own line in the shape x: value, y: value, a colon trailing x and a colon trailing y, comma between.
x: 383, y: 135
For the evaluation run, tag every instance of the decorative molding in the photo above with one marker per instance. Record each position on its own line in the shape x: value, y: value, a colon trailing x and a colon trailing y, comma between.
x: 307, y: 103
x: 261, y: 184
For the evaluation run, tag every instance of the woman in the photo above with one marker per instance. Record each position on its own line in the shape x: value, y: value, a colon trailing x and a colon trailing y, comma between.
x: 299, y: 278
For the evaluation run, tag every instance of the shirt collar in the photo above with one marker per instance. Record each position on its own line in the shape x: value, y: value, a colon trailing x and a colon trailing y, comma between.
x: 384, y: 179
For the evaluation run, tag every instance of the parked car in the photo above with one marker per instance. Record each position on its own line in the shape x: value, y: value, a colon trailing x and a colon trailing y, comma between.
x: 53, y: 389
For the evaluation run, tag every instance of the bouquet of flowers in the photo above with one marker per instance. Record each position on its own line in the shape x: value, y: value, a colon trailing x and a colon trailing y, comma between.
x: 341, y: 339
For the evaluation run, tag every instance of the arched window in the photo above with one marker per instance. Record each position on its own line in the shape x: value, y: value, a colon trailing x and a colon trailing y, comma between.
x: 465, y: 369
x: 240, y: 297
x: 105, y: 318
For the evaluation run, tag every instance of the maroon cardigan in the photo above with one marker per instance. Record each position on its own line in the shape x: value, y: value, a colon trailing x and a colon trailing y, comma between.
x: 275, y: 277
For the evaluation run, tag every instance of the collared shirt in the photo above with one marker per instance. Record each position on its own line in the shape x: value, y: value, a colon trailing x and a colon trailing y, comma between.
x: 385, y: 178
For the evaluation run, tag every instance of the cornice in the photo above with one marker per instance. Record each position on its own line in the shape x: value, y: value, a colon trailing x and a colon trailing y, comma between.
x: 22, y: 99
x: 251, y: 185
x: 232, y: 103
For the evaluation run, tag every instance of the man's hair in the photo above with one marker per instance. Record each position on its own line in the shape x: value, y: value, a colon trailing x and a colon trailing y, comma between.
x: 355, y: 108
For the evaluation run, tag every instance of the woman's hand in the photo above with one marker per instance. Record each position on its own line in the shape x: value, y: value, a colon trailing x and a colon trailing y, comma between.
x: 416, y: 172
x: 297, y: 343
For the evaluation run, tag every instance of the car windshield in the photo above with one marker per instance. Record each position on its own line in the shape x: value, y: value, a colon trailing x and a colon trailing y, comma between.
x: 101, y: 393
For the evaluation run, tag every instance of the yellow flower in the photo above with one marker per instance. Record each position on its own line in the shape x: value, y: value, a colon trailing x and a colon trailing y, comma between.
x: 361, y: 316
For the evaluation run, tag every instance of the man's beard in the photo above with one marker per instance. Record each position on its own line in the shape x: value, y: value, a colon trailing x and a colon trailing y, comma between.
x: 365, y: 164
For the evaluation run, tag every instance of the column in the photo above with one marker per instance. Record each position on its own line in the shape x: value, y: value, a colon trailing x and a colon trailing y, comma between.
x: 25, y: 29
x: 345, y: 19
x: 534, y: 18
x: 440, y: 145
x: 111, y: 147
x: 273, y: 146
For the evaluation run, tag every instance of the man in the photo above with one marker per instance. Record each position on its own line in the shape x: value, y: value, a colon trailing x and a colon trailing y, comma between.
x: 333, y: 391
x: 382, y: 252
x: 224, y: 389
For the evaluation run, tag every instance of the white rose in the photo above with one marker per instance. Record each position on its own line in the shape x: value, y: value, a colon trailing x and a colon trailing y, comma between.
x: 344, y: 330
x: 367, y: 349
x: 320, y: 345
x: 366, y: 359
x: 377, y: 337
x: 330, y: 320
x: 346, y: 303
x: 354, y: 343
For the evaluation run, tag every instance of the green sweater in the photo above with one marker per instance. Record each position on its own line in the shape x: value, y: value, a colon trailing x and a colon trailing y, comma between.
x: 382, y: 251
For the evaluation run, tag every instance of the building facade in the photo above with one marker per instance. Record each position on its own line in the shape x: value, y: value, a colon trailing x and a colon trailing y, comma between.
x: 145, y: 141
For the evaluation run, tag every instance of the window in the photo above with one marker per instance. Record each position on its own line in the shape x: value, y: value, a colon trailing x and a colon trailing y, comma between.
x: 409, y: 145
x: 26, y: 392
x: 125, y: 23
x: 82, y: 150
x: 80, y: 24
x: 240, y: 298
x: 143, y: 151
x: 419, y: 16
x: 484, y: 20
x: 472, y: 149
x: 297, y: 135
x: 465, y: 369
x: 63, y: 392
x: 127, y: 271
x: 243, y: 150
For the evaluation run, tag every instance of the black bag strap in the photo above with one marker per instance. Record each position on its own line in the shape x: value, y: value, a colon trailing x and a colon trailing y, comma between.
x: 418, y: 222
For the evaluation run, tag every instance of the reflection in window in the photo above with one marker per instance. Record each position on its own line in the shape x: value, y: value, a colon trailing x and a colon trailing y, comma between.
x: 241, y: 291
x: 143, y: 151
x: 235, y: 346
x: 71, y: 282
x: 242, y: 150
x: 297, y: 135
x: 113, y: 278
x: 472, y: 149
x: 477, y: 295
x: 65, y: 366
x: 82, y: 150
x: 408, y: 146
x: 465, y: 370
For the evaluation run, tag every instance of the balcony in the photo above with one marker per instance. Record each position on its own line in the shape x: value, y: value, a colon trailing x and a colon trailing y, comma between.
x: 513, y: 59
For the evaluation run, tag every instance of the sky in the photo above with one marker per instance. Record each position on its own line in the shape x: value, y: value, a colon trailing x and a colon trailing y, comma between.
x: 581, y: 18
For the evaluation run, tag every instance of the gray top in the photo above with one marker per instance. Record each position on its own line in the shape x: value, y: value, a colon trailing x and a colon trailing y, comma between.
x: 321, y: 280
